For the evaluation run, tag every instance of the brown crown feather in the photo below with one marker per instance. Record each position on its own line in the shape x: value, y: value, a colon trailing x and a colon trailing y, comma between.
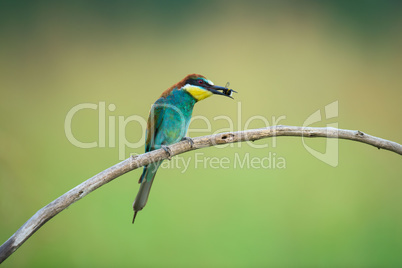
x: 181, y: 84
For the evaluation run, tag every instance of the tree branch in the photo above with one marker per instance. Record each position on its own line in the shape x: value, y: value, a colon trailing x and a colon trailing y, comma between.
x: 75, y: 194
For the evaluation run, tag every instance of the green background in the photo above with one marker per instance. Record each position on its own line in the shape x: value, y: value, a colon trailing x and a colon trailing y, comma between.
x: 284, y: 58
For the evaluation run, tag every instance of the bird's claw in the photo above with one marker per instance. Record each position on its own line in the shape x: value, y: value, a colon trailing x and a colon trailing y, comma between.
x: 168, y: 151
x: 190, y: 140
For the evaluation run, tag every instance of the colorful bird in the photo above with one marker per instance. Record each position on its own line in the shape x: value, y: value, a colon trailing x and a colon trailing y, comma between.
x: 168, y: 123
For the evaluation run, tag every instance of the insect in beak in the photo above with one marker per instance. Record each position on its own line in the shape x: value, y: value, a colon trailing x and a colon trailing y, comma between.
x: 227, y: 91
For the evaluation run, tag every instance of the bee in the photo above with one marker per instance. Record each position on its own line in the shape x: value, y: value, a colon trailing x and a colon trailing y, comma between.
x: 227, y: 91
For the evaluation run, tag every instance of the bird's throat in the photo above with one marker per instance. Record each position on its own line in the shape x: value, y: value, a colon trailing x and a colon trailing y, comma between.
x: 198, y: 93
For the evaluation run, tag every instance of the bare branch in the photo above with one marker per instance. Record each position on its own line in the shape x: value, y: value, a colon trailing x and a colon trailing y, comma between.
x: 75, y: 194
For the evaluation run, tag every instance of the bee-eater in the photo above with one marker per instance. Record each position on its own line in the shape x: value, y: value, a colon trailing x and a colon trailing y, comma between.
x: 168, y: 123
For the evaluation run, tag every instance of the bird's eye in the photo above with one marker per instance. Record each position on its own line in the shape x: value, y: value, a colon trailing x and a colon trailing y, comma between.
x: 201, y: 82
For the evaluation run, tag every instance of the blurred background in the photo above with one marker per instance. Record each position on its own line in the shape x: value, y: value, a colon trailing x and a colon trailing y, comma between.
x: 285, y: 58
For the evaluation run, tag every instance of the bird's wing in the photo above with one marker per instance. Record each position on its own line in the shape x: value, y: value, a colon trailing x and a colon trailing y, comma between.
x: 155, y: 120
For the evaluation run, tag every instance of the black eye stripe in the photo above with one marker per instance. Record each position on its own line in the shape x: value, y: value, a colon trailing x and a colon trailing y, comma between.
x: 197, y: 82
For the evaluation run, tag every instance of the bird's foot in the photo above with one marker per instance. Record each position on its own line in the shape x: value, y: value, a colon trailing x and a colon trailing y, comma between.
x: 190, y: 140
x: 168, y: 151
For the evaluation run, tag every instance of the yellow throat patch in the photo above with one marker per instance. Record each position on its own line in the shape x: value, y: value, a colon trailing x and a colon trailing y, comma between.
x: 197, y: 92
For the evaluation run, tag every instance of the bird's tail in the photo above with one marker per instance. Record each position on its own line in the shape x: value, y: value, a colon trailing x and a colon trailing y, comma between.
x: 146, y: 181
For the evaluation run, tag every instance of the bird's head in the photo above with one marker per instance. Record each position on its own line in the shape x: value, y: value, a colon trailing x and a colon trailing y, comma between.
x: 200, y: 87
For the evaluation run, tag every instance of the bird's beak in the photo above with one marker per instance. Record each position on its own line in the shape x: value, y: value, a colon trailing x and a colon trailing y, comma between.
x: 225, y: 91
